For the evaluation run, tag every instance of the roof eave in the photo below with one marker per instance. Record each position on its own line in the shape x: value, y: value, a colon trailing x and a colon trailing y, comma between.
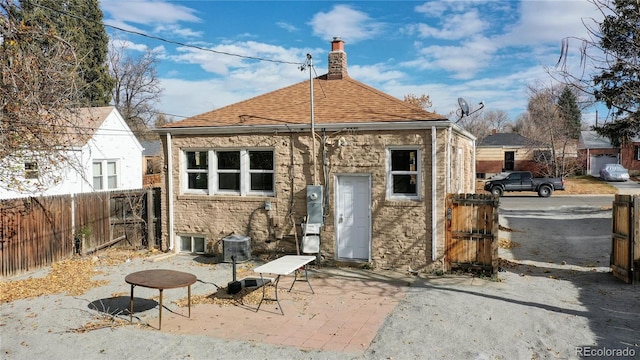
x: 252, y: 129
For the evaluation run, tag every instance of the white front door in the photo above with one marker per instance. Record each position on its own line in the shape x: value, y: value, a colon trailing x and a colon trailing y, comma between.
x: 353, y: 217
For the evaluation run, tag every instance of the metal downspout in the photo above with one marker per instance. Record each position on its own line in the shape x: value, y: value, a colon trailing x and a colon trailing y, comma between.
x: 434, y: 193
x: 170, y: 191
x: 473, y: 166
x: 448, y: 150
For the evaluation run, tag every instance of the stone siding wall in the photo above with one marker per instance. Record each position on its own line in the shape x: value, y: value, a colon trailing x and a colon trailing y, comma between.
x: 401, y: 230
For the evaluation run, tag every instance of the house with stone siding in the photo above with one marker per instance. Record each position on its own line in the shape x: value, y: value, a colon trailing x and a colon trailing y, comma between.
x: 372, y: 169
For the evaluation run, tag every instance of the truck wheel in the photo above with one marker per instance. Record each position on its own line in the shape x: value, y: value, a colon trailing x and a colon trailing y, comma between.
x: 496, y: 190
x: 545, y: 191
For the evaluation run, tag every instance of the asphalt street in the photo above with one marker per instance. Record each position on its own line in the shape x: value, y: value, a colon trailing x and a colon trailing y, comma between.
x: 555, y: 201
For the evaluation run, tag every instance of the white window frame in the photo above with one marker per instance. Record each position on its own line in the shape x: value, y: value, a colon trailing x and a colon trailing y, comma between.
x: 104, y: 165
x: 417, y: 172
x: 216, y: 172
x: 213, y: 172
x: 637, y: 152
x: 32, y: 173
x: 192, y: 243
x: 185, y: 172
x: 248, y: 171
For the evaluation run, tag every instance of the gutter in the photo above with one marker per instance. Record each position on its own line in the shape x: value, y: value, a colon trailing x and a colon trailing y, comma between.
x: 252, y: 129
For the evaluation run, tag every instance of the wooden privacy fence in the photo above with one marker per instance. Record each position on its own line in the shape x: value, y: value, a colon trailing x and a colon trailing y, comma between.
x: 472, y: 232
x: 36, y: 232
x: 625, y: 238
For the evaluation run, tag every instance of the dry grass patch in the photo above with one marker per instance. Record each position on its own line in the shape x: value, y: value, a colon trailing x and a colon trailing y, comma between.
x: 588, y: 185
x: 507, y: 243
x: 72, y: 276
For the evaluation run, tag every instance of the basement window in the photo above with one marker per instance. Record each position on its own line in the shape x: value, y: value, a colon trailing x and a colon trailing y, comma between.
x: 403, y: 173
x: 192, y: 244
x: 31, y: 170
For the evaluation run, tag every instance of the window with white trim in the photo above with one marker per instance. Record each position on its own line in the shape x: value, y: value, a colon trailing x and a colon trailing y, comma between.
x: 235, y: 172
x: 192, y: 244
x: 31, y: 170
x: 636, y: 152
x: 105, y: 174
x: 197, y: 170
x: 403, y: 173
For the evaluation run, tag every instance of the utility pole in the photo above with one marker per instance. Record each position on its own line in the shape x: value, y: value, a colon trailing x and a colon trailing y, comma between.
x: 313, y: 122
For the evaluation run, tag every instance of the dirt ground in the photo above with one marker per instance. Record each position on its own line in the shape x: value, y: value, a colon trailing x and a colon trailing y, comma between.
x: 554, y: 298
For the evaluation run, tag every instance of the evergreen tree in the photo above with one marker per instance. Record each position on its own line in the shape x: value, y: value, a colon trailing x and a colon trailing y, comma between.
x: 613, y: 48
x: 570, y: 113
x: 80, y: 23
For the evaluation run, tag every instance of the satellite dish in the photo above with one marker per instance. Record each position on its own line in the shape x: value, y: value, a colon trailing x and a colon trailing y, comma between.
x: 464, y: 107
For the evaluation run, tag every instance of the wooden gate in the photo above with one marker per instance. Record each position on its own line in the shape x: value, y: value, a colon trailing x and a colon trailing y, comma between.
x: 625, y: 251
x: 472, y: 232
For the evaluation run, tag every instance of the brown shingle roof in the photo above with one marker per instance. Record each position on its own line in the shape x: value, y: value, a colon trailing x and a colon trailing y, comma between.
x: 85, y: 121
x: 335, y: 101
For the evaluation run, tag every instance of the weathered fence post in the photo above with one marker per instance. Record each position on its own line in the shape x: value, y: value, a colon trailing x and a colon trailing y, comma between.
x: 151, y: 234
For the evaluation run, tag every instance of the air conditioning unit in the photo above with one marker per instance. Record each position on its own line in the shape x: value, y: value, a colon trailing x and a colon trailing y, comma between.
x: 238, y: 246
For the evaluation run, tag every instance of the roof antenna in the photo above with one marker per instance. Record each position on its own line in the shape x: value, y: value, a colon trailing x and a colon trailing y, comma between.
x: 464, y: 108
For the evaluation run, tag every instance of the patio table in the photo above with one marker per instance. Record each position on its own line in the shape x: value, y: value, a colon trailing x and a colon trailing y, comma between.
x: 160, y: 279
x: 284, y: 266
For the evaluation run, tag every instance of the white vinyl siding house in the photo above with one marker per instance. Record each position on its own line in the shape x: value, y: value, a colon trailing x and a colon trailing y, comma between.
x: 110, y: 159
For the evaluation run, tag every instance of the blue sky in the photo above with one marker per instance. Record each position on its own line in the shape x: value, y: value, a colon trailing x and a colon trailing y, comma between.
x: 479, y: 50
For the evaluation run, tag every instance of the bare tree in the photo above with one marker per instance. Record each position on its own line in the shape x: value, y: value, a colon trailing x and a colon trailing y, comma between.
x: 423, y: 101
x: 161, y: 120
x: 545, y: 125
x: 39, y: 91
x: 137, y: 90
x: 485, y: 123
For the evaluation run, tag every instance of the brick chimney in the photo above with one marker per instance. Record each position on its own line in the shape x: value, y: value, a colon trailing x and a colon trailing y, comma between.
x: 337, y: 60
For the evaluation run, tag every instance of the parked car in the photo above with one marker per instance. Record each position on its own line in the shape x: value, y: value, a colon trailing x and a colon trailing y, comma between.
x: 614, y: 172
x: 523, y: 181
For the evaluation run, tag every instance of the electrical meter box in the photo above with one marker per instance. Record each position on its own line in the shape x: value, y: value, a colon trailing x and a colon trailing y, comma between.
x: 314, y: 204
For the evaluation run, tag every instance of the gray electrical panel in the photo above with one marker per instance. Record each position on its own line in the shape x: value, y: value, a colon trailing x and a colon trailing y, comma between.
x: 314, y: 204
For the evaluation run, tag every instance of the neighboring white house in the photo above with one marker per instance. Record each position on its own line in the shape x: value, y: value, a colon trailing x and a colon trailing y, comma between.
x: 109, y: 157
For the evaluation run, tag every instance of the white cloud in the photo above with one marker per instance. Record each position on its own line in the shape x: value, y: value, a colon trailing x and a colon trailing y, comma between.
x: 128, y: 45
x: 173, y: 30
x: 286, y: 26
x: 456, y: 26
x: 464, y: 60
x: 344, y: 21
x: 148, y: 12
x: 375, y: 74
x: 199, y: 96
x: 122, y: 25
x: 218, y: 61
x: 548, y: 21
